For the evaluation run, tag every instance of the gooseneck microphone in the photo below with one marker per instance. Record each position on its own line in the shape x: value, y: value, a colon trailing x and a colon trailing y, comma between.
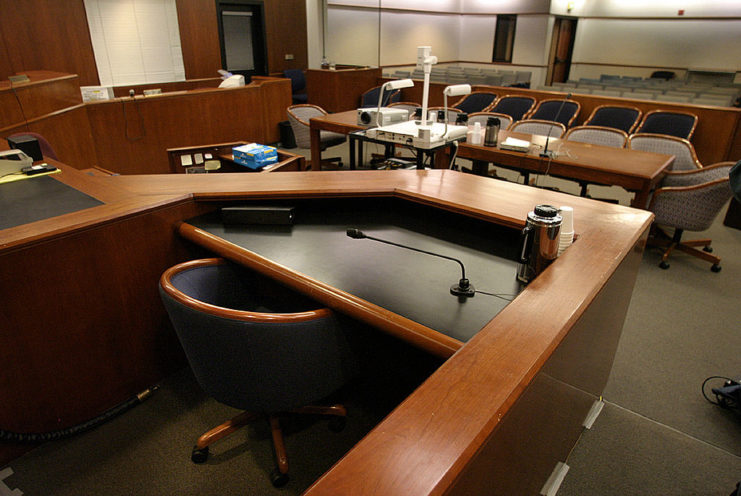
x: 548, y: 136
x: 463, y: 288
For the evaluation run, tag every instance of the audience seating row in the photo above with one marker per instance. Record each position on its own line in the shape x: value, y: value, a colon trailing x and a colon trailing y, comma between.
x: 470, y: 75
x: 697, y: 93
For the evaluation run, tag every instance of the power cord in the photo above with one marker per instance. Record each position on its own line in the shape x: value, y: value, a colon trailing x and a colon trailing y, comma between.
x: 498, y: 295
x: 728, y: 396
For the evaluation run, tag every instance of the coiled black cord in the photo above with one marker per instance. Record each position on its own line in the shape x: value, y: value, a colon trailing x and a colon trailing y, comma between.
x: 39, y: 437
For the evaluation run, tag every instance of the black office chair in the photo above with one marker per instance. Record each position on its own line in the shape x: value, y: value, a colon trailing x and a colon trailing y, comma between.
x: 255, y: 347
x: 672, y: 123
x: 619, y: 117
x: 515, y: 106
x: 477, y: 101
x: 370, y: 97
x: 548, y: 110
x: 298, y: 85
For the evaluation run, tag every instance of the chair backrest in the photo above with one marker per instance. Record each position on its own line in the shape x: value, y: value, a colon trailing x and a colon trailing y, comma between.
x: 515, y: 106
x: 616, y: 116
x: 298, y: 116
x: 482, y: 117
x: 478, y: 101
x: 693, y: 207
x: 298, y: 80
x: 679, y: 124
x: 370, y: 97
x: 46, y: 149
x: 252, y: 348
x: 685, y: 157
x: 409, y: 106
x: 542, y: 128
x: 597, y: 135
x: 451, y: 116
x: 548, y: 110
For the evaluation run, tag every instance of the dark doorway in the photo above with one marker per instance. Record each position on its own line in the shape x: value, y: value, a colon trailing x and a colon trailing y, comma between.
x: 242, y: 37
x: 562, y: 45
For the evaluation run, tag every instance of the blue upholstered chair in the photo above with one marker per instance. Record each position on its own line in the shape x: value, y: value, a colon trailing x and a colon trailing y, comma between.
x: 298, y: 85
x: 370, y: 97
x: 674, y: 123
x: 477, y: 101
x: 255, y: 346
x: 689, y: 200
x: 548, y: 110
x: 619, y: 117
x: 515, y: 106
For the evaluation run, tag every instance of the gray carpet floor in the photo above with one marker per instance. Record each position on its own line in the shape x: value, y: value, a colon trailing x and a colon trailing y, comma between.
x: 657, y: 435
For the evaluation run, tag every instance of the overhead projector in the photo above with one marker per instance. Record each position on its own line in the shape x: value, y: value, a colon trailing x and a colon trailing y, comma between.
x: 381, y: 116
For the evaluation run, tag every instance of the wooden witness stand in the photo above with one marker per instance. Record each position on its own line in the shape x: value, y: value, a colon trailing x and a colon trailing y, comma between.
x: 497, y: 414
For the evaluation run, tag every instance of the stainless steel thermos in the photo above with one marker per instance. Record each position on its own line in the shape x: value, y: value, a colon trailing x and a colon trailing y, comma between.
x: 492, y: 131
x: 540, y: 239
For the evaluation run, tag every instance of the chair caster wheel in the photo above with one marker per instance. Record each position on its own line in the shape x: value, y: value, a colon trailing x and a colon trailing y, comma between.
x: 278, y: 479
x: 708, y: 249
x: 199, y: 455
x: 715, y: 268
x: 664, y: 265
x: 337, y: 424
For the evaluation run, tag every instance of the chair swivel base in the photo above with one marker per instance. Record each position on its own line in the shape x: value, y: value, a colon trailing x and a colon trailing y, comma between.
x: 279, y: 476
x: 669, y: 243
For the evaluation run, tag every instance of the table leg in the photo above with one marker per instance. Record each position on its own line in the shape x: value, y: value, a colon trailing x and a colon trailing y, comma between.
x: 316, y: 150
x: 640, y: 200
x: 352, y: 152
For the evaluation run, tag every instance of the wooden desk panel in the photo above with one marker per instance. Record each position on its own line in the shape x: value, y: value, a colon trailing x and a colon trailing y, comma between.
x: 339, y: 90
x: 436, y: 441
x: 46, y: 92
x: 132, y: 135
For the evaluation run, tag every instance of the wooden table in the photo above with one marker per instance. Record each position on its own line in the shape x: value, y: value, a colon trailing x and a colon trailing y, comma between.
x: 632, y: 169
x: 497, y: 414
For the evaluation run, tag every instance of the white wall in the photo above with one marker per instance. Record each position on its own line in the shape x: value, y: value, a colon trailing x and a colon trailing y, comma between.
x: 612, y: 36
x: 135, y: 41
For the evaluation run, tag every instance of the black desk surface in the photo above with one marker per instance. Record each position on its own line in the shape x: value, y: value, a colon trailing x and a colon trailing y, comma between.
x: 411, y: 284
x: 39, y: 198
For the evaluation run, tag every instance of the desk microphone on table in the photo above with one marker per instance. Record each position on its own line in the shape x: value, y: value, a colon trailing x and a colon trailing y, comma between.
x: 463, y: 288
x: 548, y: 137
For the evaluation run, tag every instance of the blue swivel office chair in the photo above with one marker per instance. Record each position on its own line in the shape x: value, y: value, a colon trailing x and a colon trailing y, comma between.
x: 298, y: 85
x: 255, y: 346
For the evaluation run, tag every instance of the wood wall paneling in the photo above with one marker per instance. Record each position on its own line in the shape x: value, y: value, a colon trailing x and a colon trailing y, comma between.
x: 199, y: 38
x: 46, y: 92
x: 285, y: 33
x: 189, y: 84
x: 48, y: 35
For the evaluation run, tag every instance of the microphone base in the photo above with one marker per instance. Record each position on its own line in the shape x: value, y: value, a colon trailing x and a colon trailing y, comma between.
x: 457, y: 290
x: 548, y: 154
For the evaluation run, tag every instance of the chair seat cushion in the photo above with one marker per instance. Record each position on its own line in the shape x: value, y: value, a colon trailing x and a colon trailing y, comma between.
x: 328, y: 138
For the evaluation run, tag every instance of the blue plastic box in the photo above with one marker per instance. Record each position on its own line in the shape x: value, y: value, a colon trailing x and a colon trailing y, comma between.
x: 255, y: 156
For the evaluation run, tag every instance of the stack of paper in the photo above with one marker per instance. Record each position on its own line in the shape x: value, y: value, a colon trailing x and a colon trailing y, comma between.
x: 515, y: 144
